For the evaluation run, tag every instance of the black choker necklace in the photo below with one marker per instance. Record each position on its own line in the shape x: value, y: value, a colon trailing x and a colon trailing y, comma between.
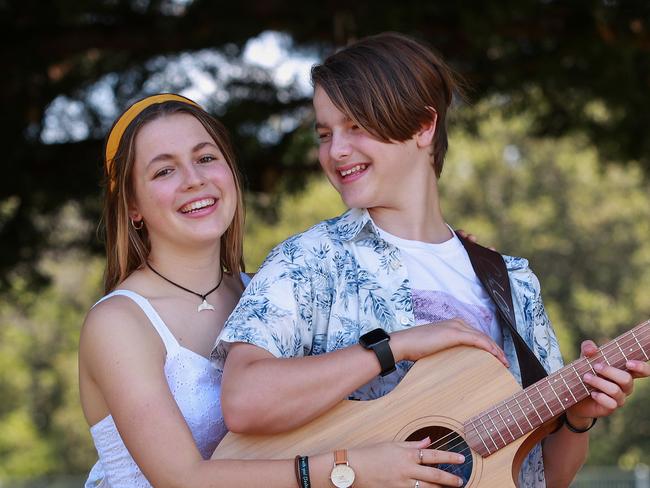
x: 204, y: 305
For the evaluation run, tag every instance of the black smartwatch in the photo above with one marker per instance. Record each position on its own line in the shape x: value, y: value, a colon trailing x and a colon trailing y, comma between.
x: 377, y: 341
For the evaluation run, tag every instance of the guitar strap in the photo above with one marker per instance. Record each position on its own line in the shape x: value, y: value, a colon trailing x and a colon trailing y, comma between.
x: 491, y: 270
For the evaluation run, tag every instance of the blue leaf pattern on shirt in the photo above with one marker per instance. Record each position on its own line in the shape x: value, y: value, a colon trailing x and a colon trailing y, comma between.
x: 380, y: 310
x: 402, y: 298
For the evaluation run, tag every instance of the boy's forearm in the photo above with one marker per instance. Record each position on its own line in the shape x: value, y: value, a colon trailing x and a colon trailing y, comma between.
x: 262, y: 394
x: 564, y: 454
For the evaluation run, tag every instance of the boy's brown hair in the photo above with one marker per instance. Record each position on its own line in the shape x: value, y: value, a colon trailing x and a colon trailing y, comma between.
x: 390, y: 84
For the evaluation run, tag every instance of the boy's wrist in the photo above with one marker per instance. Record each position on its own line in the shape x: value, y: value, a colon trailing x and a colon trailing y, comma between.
x: 578, y: 424
x: 396, y: 346
x: 378, y: 341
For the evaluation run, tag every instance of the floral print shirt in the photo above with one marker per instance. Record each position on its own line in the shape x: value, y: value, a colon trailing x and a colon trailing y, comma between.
x: 318, y: 291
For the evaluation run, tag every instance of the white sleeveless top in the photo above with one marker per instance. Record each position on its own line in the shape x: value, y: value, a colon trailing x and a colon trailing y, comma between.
x: 195, y: 385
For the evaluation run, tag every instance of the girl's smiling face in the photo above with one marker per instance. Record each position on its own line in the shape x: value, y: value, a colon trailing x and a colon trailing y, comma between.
x: 184, y: 189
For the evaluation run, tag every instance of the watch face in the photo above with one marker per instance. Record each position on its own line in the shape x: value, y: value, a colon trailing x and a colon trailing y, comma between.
x: 373, y: 337
x: 342, y: 476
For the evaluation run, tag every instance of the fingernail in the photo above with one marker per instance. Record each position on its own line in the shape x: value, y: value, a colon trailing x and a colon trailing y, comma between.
x: 460, y: 482
x: 598, y: 366
x: 588, y: 376
x: 461, y: 458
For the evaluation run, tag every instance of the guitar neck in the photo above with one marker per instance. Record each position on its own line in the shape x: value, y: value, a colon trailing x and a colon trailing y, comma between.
x: 523, y: 412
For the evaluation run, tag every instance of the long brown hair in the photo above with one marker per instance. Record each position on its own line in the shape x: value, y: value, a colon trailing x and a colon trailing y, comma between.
x: 127, y: 248
x: 389, y: 84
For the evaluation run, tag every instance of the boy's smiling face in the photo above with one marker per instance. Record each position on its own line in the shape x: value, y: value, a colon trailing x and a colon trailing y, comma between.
x: 367, y: 172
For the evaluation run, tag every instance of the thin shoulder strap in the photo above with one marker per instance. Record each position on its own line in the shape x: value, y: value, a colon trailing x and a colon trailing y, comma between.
x: 491, y: 270
x: 165, y: 334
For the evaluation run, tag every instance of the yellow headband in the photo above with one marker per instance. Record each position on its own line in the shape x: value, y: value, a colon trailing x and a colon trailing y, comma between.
x: 120, y: 125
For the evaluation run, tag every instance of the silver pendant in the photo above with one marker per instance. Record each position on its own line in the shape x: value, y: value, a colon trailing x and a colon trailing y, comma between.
x: 205, y: 306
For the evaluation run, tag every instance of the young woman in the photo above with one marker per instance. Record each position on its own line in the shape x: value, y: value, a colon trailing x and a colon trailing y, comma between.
x: 389, y: 269
x: 173, y: 214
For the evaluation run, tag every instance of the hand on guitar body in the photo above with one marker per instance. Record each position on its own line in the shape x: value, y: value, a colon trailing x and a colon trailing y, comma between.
x: 417, y: 342
x: 397, y: 464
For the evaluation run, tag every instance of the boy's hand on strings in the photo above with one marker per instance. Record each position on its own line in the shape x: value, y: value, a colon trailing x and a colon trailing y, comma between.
x: 611, y: 386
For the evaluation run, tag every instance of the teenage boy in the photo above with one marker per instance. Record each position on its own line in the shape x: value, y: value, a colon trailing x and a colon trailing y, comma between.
x: 391, y: 263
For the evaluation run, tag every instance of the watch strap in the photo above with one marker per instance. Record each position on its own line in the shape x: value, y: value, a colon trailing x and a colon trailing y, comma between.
x: 385, y: 356
x: 341, y: 456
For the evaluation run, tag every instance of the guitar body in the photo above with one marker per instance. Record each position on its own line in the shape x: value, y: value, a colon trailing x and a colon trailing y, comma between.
x: 441, y: 391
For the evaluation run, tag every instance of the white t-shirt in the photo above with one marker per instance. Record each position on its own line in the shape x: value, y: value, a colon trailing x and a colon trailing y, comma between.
x: 444, y: 285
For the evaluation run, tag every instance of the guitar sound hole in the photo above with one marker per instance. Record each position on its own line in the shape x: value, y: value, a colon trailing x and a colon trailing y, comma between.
x: 444, y: 439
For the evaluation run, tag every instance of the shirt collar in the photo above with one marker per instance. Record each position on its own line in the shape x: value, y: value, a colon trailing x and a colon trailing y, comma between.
x: 349, y: 225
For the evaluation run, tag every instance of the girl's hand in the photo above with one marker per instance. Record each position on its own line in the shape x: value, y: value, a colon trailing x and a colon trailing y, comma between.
x: 397, y: 464
x: 471, y: 237
x: 417, y: 342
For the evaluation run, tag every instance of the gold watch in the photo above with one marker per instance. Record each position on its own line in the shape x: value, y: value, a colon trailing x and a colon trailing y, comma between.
x: 342, y: 475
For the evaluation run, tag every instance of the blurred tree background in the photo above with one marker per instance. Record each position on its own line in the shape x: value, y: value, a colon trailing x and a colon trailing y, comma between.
x: 549, y: 158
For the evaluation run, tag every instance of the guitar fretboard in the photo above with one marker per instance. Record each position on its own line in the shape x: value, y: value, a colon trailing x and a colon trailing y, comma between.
x: 523, y: 412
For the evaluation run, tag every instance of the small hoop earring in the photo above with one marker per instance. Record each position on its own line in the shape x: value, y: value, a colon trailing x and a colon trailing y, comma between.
x: 136, y: 227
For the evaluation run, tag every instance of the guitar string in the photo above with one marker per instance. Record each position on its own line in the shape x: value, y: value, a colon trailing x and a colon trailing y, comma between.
x: 467, y: 450
x: 616, y: 344
x: 571, y: 383
x: 450, y: 439
x: 447, y: 439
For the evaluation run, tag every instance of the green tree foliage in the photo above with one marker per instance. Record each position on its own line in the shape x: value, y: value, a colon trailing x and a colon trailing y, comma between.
x: 294, y: 213
x: 42, y: 430
x: 583, y: 226
x: 554, y: 60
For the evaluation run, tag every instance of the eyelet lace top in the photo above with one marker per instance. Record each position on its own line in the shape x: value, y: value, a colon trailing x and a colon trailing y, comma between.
x: 195, y: 385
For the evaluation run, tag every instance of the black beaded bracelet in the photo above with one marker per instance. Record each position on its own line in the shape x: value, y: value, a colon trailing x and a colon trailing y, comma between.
x: 575, y: 430
x: 302, y: 471
x: 297, y: 470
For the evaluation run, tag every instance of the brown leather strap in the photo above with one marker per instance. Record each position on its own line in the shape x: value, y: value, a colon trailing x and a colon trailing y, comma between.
x: 341, y: 456
x: 491, y: 270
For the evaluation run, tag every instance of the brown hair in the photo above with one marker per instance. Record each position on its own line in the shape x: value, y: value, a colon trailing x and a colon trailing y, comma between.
x: 127, y: 249
x: 389, y: 84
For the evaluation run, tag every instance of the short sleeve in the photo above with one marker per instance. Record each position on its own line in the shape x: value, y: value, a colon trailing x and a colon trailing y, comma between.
x: 273, y: 312
x: 532, y: 321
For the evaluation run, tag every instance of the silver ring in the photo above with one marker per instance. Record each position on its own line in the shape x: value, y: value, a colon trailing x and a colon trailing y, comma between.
x: 421, y: 454
x: 417, y: 484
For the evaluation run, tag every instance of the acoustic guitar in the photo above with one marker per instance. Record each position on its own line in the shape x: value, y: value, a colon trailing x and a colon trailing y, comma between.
x: 477, y: 409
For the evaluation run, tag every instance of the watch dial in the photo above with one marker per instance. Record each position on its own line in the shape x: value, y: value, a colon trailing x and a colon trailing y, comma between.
x: 342, y: 476
x: 373, y: 337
